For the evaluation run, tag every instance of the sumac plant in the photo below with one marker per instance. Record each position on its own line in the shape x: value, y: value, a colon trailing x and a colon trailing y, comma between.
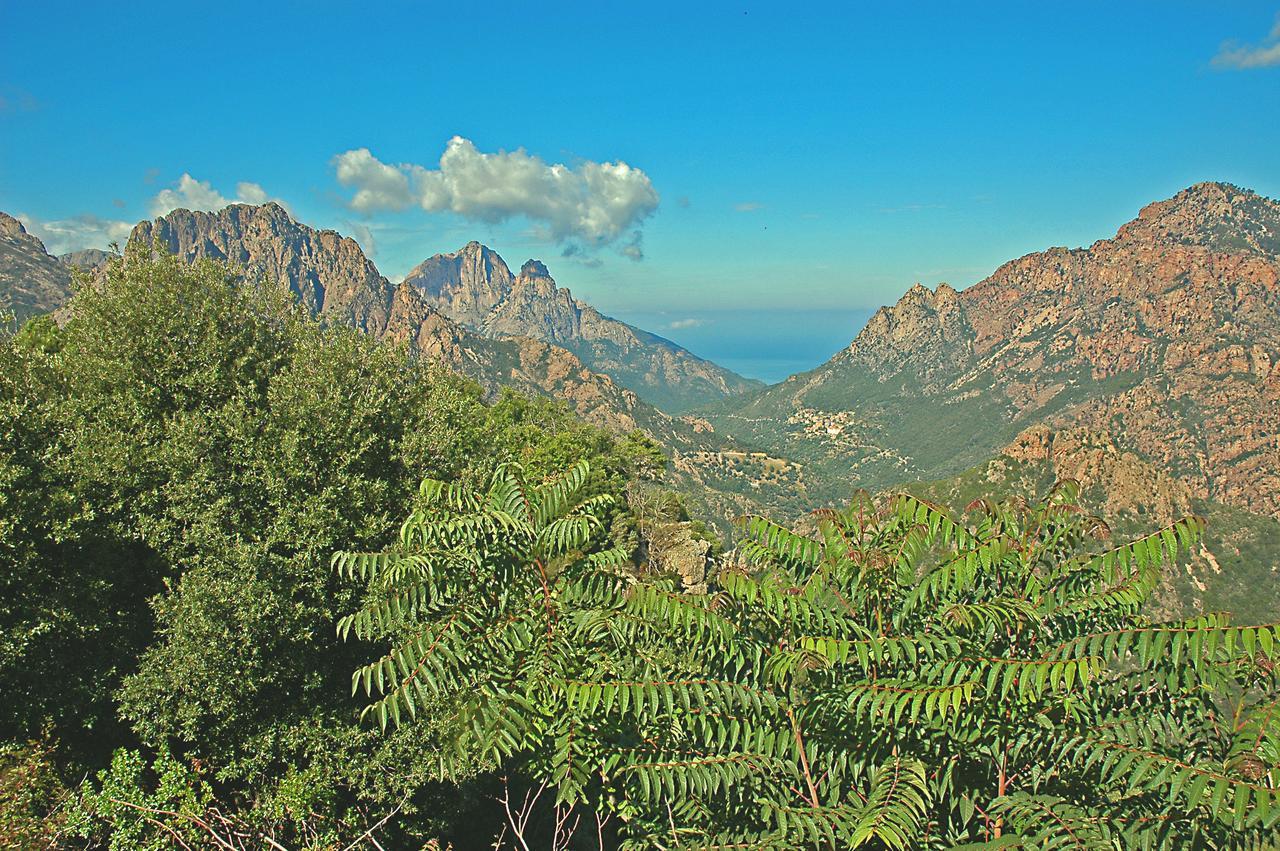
x: 892, y: 677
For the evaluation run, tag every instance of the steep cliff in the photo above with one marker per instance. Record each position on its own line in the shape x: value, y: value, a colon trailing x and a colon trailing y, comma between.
x: 31, y: 280
x: 1166, y: 336
x: 475, y: 287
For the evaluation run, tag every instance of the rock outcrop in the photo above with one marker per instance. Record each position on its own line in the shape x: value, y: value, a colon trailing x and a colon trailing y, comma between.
x: 1166, y: 337
x: 1120, y: 481
x: 32, y: 281
x: 333, y: 279
x: 474, y: 287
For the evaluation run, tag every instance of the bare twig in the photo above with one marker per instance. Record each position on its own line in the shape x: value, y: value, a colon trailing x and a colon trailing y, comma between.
x: 368, y: 834
x: 201, y: 823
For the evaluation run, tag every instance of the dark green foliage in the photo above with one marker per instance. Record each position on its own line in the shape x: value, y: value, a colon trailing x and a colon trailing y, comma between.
x: 896, y: 680
x: 179, y: 461
x: 33, y: 799
x: 177, y: 464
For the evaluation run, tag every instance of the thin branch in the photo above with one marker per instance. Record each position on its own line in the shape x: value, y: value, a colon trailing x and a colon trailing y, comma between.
x: 368, y: 834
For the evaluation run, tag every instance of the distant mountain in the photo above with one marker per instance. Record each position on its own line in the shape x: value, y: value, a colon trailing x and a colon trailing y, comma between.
x: 31, y: 280
x: 474, y: 287
x: 336, y: 282
x: 1166, y: 337
x: 86, y: 259
x: 333, y: 279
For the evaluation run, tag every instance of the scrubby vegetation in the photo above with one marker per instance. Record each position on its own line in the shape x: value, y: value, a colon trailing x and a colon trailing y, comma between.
x: 266, y: 583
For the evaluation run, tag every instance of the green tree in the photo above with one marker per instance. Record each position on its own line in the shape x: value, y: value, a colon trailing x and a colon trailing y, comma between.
x: 895, y: 679
x: 177, y: 463
x: 483, y: 601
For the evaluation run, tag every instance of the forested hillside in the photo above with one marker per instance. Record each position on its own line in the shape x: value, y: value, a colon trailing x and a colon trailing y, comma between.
x: 269, y: 581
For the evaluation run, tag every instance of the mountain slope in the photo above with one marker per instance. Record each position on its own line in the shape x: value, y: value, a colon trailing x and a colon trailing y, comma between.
x: 31, y: 280
x: 1166, y: 336
x: 475, y: 287
x: 1234, y: 569
x: 331, y: 277
x: 335, y: 281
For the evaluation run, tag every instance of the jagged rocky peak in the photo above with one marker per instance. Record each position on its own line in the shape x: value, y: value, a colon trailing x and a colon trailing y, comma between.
x: 31, y: 281
x: 926, y: 328
x: 466, y: 283
x: 328, y: 271
x: 535, y: 282
x: 9, y: 226
x: 476, y: 289
x: 534, y: 269
x: 920, y: 311
x: 12, y: 230
x: 1218, y: 216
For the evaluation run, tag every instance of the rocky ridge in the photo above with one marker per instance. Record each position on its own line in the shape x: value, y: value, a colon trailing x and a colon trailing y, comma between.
x: 476, y: 288
x: 334, y: 280
x: 32, y: 281
x: 1166, y: 336
x: 86, y: 259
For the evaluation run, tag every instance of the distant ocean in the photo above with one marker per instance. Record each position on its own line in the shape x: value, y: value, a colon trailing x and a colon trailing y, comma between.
x: 765, y: 344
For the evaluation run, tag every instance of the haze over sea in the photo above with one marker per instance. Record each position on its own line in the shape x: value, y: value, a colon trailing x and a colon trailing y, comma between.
x: 768, y: 345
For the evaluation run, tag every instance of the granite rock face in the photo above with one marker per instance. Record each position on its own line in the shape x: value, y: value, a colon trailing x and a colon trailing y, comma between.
x: 476, y: 288
x: 470, y: 282
x: 1166, y: 337
x: 333, y: 279
x: 86, y: 259
x: 328, y: 272
x: 32, y: 281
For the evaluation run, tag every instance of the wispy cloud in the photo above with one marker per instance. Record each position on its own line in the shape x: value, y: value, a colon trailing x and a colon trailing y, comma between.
x: 86, y: 231
x: 589, y: 205
x: 748, y: 206
x: 191, y: 194
x: 574, y: 253
x: 362, y: 234
x: 912, y: 208
x: 686, y: 323
x: 1238, y: 57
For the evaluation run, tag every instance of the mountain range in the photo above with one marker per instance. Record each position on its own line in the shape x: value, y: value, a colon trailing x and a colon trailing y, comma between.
x: 1166, y: 336
x: 1146, y: 365
x: 475, y: 288
x: 333, y: 279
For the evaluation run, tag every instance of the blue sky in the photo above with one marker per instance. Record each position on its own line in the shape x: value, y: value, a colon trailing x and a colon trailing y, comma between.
x: 792, y: 166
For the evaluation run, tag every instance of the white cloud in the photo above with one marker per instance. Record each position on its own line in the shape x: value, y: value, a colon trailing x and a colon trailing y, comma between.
x: 1244, y: 56
x: 364, y: 235
x: 591, y: 204
x: 251, y: 193
x: 748, y: 206
x: 378, y: 186
x: 87, y: 231
x: 687, y: 323
x: 192, y: 194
